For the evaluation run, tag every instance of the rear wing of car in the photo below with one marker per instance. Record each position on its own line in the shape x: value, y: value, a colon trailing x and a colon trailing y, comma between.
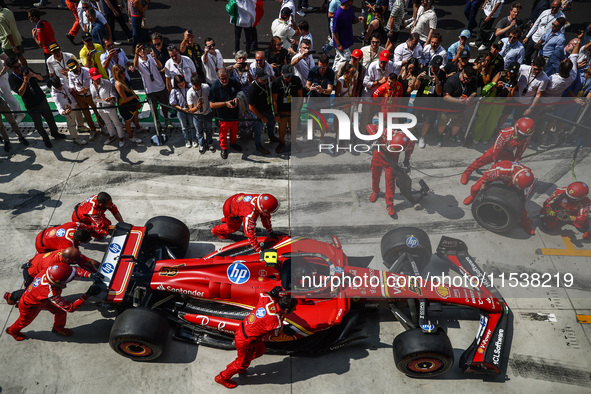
x: 489, y: 351
x: 119, y: 261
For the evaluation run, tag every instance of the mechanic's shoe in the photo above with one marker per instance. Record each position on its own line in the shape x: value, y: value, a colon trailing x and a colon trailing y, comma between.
x: 62, y: 331
x: 236, y: 147
x: 464, y: 179
x: 391, y: 210
x: 373, y: 197
x: 229, y: 384
x: 18, y: 336
x: 9, y: 301
x: 217, y: 233
x: 468, y: 200
x: 224, y: 154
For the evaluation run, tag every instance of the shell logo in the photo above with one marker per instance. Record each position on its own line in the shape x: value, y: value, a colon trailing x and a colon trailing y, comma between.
x: 442, y: 291
x: 251, y: 318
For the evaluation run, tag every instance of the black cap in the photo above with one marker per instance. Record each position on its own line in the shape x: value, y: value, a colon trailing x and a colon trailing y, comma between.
x: 499, y: 44
x: 436, y: 61
x: 513, y: 67
x: 86, y: 36
x: 262, y: 74
x: 72, y: 64
x: 285, y: 11
x: 464, y: 54
x: 287, y: 70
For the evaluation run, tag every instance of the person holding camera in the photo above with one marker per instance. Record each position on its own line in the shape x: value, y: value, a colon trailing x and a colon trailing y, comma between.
x: 154, y: 86
x: 79, y: 81
x: 178, y: 65
x: 198, y: 100
x: 193, y: 51
x: 65, y: 103
x: 114, y: 56
x: 25, y: 82
x: 212, y: 61
x: 90, y: 54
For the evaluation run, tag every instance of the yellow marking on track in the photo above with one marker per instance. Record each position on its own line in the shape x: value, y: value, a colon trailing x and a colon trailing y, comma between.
x: 569, y: 250
x: 584, y: 319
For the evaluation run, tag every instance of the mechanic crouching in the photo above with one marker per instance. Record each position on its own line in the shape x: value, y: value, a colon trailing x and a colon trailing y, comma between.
x: 511, y: 174
x: 266, y: 317
x: 245, y: 209
x: 91, y: 212
x: 568, y: 205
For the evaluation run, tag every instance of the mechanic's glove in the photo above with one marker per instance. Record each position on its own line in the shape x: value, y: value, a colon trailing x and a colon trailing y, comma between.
x: 274, y: 235
x: 93, y: 290
x: 275, y: 292
x: 550, y: 212
x: 97, y: 276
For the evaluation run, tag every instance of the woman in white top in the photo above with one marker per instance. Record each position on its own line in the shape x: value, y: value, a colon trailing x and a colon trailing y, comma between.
x: 346, y: 83
x: 65, y: 103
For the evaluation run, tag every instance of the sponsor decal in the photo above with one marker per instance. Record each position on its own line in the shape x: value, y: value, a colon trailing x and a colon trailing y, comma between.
x: 36, y: 282
x: 262, y: 273
x: 251, y: 318
x: 170, y: 271
x: 484, y: 342
x: 60, y: 232
x: 272, y: 309
x: 160, y: 287
x: 421, y: 310
x: 238, y: 273
x: 239, y: 198
x: 108, y: 268
x: 193, y: 293
x: 54, y: 267
x: 428, y: 327
x: 247, y: 198
x: 415, y: 286
x: 479, y: 274
x: 339, y: 270
x: 115, y: 248
x: 412, y: 241
x: 261, y: 312
x: 457, y: 293
x: 498, y: 344
x: 52, y: 232
x: 442, y: 291
x: 449, y: 243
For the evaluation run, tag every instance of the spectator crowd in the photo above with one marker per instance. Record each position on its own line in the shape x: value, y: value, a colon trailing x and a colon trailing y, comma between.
x: 397, y: 52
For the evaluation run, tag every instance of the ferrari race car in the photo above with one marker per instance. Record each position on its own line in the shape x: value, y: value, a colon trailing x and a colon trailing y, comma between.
x: 148, y: 280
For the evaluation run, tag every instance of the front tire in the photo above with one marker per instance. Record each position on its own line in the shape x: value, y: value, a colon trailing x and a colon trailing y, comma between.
x: 421, y: 355
x: 498, y: 208
x: 139, y: 334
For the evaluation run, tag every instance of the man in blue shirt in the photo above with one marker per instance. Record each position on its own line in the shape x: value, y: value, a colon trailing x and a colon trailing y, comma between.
x: 513, y: 50
x: 459, y: 46
x: 97, y: 28
x: 553, y: 40
x: 342, y: 32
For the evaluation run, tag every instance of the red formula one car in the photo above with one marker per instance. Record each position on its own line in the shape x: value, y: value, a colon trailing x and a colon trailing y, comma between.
x: 148, y: 280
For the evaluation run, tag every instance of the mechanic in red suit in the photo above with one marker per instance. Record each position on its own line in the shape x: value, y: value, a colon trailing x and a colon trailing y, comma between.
x: 266, y: 317
x: 509, y: 145
x: 42, y: 261
x: 245, y: 209
x: 92, y: 213
x: 45, y: 293
x: 61, y: 237
x: 389, y: 89
x: 385, y: 157
x: 568, y: 204
x: 511, y: 174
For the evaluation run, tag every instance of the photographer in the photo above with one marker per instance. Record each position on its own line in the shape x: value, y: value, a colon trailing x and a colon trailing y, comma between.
x: 193, y: 51
x: 114, y: 56
x: 90, y: 54
x: 178, y: 65
x: 212, y: 61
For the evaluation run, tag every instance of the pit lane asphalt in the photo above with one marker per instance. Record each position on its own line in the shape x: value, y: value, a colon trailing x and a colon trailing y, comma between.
x: 550, y: 349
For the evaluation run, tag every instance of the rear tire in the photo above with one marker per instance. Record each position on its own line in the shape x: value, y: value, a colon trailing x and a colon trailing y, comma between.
x: 498, y: 208
x: 167, y: 231
x: 421, y: 355
x: 410, y: 240
x: 139, y: 334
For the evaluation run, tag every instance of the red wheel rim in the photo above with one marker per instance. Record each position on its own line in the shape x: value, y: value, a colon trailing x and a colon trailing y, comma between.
x: 135, y: 349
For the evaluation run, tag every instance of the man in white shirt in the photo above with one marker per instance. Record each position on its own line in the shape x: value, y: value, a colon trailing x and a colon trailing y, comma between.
x: 113, y: 56
x: 79, y: 82
x: 282, y: 28
x: 543, y: 23
x: 490, y: 11
x: 198, y: 101
x: 407, y: 50
x: 377, y: 73
x: 212, y: 61
x: 154, y: 86
x: 84, y: 5
x: 179, y: 65
x: 303, y: 61
x: 433, y: 49
x: 260, y: 61
x: 531, y: 84
x: 105, y: 96
x: 65, y: 103
x: 426, y: 21
x: 372, y: 51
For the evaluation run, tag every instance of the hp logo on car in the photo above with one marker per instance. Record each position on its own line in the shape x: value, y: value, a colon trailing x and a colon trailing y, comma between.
x: 412, y: 241
x: 115, y: 248
x: 108, y: 268
x: 238, y: 273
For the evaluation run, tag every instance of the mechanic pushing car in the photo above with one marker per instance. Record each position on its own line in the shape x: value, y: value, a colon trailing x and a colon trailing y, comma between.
x: 42, y: 261
x: 60, y: 237
x: 511, y: 174
x: 266, y: 317
x: 568, y: 205
x: 244, y: 209
x: 45, y: 293
x: 509, y: 145
x: 385, y: 156
x: 92, y: 213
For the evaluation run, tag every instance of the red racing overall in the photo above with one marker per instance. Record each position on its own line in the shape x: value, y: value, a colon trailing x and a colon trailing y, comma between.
x: 502, y: 171
x: 240, y: 210
x: 379, y: 162
x: 42, y: 261
x: 58, y: 237
x: 566, y: 210
x: 41, y: 294
x: 264, y: 318
x: 507, y: 146
x: 91, y: 214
